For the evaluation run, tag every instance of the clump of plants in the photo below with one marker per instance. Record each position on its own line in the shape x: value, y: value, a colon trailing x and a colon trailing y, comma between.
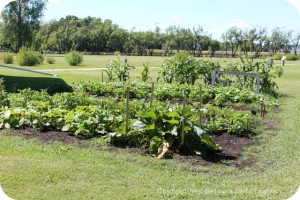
x: 74, y: 58
x: 277, y: 57
x: 185, y: 69
x: 27, y: 57
x: 267, y: 75
x: 8, y: 58
x: 145, y: 73
x: 292, y: 57
x: 50, y: 60
x: 120, y: 68
x: 3, y: 93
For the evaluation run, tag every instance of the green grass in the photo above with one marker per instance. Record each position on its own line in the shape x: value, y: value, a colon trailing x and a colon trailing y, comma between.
x: 31, y: 170
x: 90, y: 70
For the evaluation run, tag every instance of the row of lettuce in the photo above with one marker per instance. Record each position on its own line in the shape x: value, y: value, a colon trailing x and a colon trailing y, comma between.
x: 149, y: 127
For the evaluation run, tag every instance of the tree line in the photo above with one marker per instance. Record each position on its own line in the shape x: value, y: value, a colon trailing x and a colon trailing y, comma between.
x: 22, y: 26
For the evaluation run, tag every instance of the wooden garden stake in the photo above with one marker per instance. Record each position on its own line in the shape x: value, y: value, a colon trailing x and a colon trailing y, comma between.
x: 183, y: 117
x: 102, y: 76
x: 127, y: 110
x: 200, y: 117
x: 263, y: 110
x: 151, y: 97
x: 214, y: 119
x: 247, y: 126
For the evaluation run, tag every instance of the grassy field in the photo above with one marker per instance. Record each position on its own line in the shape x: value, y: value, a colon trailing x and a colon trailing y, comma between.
x: 90, y: 70
x: 30, y: 169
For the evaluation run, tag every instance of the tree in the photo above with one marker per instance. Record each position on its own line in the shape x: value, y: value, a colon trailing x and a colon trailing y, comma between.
x: 279, y: 40
x: 214, y: 46
x: 260, y: 41
x: 43, y: 35
x: 201, y: 41
x: 234, y: 38
x: 117, y: 40
x: 21, y: 19
x: 254, y: 40
x: 295, y: 41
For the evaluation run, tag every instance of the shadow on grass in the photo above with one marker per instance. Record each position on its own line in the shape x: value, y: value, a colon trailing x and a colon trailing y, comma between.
x: 51, y: 84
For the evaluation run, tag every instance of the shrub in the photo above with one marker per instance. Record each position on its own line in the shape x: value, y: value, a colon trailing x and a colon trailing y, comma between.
x: 8, y: 58
x: 145, y: 73
x: 27, y: 57
x: 74, y: 58
x: 291, y: 57
x: 51, y: 60
x: 277, y: 57
x: 117, y: 53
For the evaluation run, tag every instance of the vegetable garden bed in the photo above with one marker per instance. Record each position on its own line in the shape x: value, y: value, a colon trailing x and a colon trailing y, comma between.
x: 183, y: 129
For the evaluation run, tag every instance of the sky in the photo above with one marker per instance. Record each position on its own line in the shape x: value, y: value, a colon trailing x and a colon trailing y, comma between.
x: 215, y: 16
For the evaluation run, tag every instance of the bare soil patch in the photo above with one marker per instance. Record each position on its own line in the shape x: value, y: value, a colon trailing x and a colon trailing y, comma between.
x: 232, y: 145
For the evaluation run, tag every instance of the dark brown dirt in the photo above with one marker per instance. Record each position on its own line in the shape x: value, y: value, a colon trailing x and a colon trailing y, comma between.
x: 49, y: 136
x: 233, y: 147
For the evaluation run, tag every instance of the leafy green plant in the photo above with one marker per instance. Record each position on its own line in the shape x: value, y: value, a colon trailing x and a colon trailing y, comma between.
x: 228, y: 120
x: 292, y: 57
x: 145, y: 73
x: 149, y: 128
x: 121, y: 68
x: 277, y: 57
x: 267, y: 75
x: 185, y: 69
x: 110, y: 73
x: 50, y: 60
x: 155, y: 127
x: 182, y: 68
x: 27, y: 57
x: 74, y: 58
x: 8, y: 58
x: 3, y: 94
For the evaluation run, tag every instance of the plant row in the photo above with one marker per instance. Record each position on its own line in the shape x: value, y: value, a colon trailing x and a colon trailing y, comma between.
x: 164, y: 92
x: 147, y: 127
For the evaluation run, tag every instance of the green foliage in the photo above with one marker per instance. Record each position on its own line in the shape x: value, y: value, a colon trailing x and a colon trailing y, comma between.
x: 228, y: 120
x: 163, y: 92
x: 150, y: 128
x: 277, y: 56
x: 206, y: 68
x: 74, y: 58
x: 267, y: 75
x: 8, y: 58
x: 121, y: 68
x: 3, y: 94
x: 289, y: 57
x: 292, y: 57
x: 182, y: 68
x: 155, y: 127
x: 50, y: 60
x: 110, y: 72
x: 145, y: 72
x: 185, y: 69
x: 27, y: 57
x: 21, y: 25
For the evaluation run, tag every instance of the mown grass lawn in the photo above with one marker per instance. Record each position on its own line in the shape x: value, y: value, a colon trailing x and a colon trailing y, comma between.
x: 30, y: 169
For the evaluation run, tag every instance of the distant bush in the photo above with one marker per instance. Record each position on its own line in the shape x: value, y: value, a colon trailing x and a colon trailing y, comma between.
x: 8, y: 58
x: 277, y: 57
x: 117, y: 53
x: 27, y: 57
x: 289, y: 57
x: 292, y: 57
x: 74, y: 58
x: 50, y: 60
